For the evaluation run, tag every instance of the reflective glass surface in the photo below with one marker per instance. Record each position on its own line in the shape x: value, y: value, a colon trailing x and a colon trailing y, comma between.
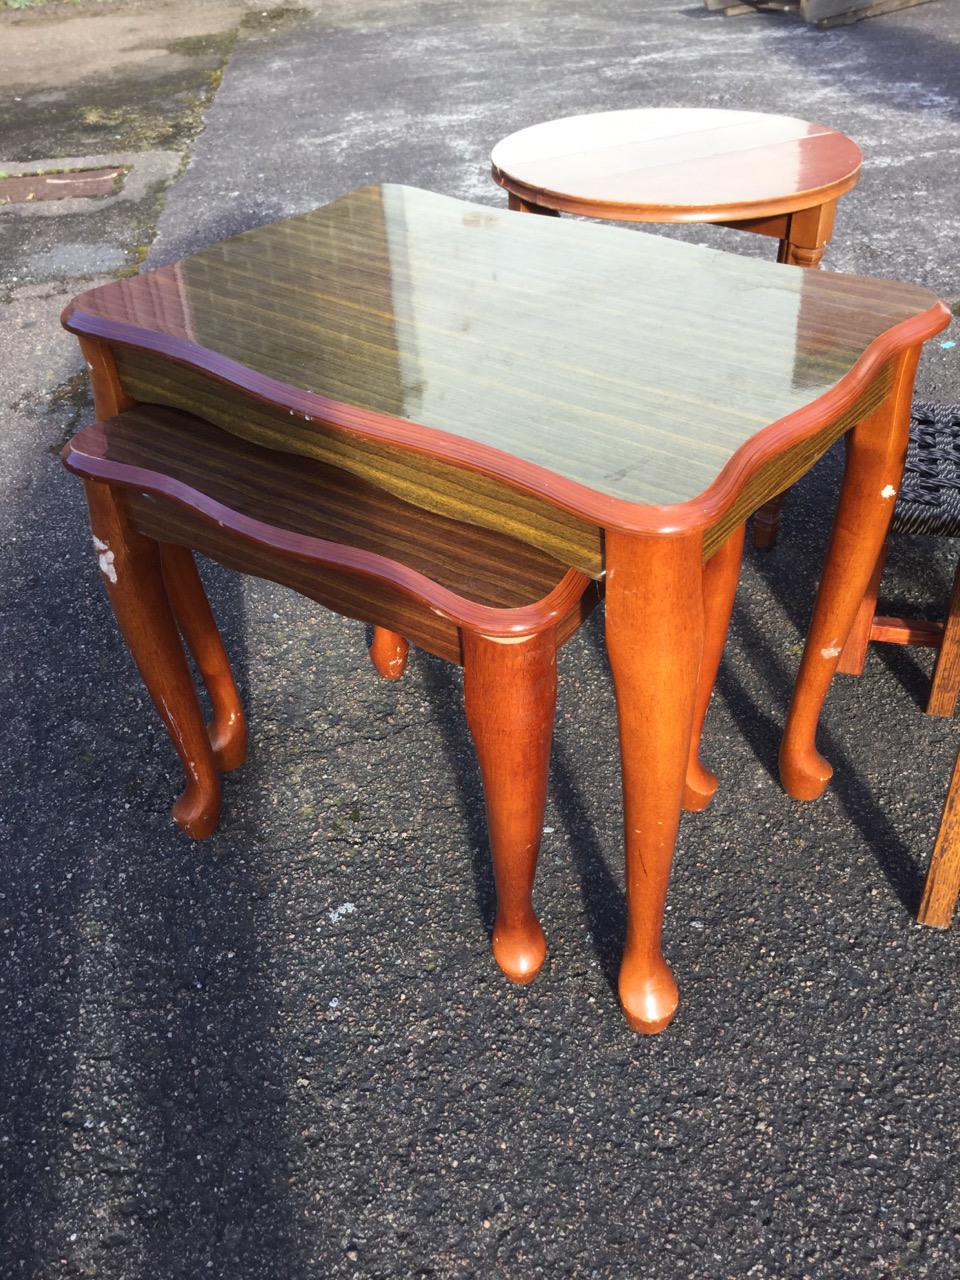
x: 625, y: 361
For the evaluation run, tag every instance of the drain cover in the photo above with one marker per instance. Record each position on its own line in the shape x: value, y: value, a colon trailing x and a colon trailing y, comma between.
x: 77, y: 183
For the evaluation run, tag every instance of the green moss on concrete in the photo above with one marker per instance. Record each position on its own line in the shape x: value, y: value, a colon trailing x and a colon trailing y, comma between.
x: 73, y: 399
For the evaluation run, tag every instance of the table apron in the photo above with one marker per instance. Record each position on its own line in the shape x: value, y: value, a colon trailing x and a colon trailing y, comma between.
x: 451, y: 490
x: 441, y: 487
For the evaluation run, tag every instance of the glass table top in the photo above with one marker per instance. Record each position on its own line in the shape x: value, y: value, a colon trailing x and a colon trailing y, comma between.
x: 625, y: 362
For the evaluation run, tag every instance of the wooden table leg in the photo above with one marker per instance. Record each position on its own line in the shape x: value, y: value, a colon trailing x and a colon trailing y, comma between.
x: 942, y: 884
x: 524, y: 206
x: 654, y: 631
x: 191, y: 608
x: 808, y: 233
x: 510, y: 694
x: 876, y: 450
x: 130, y: 564
x: 389, y: 653
x: 767, y: 520
x: 805, y: 239
x: 721, y: 574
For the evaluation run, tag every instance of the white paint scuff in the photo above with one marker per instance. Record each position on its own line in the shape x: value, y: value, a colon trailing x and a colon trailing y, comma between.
x: 888, y: 492
x: 105, y: 559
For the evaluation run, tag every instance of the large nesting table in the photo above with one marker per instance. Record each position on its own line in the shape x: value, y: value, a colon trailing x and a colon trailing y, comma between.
x: 617, y: 401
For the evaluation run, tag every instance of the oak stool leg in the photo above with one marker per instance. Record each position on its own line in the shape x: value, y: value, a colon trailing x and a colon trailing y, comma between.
x: 876, y: 449
x: 654, y: 630
x: 130, y: 564
x: 191, y: 608
x: 943, y: 875
x: 946, y: 674
x: 720, y: 576
x: 388, y: 650
x: 510, y: 694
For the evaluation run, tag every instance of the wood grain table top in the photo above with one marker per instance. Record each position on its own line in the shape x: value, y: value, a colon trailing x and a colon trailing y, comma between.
x: 677, y: 164
x: 615, y: 372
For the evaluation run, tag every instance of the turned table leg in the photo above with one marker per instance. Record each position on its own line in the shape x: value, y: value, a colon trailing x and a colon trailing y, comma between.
x: 876, y: 450
x: 804, y: 243
x: 130, y: 564
x: 191, y: 608
x: 525, y: 206
x: 510, y: 693
x: 720, y: 576
x: 654, y: 631
x: 808, y: 234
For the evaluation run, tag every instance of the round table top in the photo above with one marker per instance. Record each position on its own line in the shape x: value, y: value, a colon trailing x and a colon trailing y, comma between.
x: 677, y: 164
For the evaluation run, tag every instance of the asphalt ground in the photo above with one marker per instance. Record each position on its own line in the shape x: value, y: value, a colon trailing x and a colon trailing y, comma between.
x: 286, y: 1052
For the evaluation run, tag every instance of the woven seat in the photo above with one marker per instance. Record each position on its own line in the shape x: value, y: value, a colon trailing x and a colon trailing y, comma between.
x: 929, y: 499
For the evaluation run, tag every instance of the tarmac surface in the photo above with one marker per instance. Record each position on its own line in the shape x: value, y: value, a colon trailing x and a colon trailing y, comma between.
x: 286, y: 1052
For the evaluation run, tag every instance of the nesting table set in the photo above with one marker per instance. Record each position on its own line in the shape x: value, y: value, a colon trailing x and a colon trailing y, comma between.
x: 462, y: 426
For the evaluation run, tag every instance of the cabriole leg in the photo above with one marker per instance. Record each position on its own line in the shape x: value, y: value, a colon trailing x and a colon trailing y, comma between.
x: 720, y: 576
x: 654, y: 630
x: 389, y: 653
x: 191, y: 608
x: 510, y: 694
x: 876, y: 449
x: 132, y: 575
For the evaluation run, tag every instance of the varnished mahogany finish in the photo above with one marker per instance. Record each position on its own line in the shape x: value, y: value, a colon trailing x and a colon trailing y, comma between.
x: 389, y: 653
x: 159, y: 481
x: 680, y: 164
x: 561, y: 385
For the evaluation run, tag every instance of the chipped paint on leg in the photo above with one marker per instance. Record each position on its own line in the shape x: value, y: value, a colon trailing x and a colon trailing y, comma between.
x: 105, y: 559
x: 834, y: 651
x: 888, y: 492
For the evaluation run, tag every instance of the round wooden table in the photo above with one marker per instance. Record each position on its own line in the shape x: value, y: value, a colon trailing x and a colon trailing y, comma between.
x: 772, y: 175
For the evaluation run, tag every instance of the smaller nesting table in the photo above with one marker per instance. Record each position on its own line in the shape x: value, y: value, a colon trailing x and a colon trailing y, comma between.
x: 773, y: 175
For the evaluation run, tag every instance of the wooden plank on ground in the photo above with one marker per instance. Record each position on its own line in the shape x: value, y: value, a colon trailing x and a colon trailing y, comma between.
x: 734, y: 8
x: 835, y: 13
